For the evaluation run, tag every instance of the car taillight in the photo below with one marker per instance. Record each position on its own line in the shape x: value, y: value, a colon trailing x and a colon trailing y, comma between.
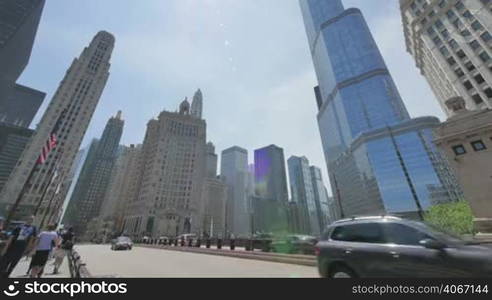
x: 316, y: 251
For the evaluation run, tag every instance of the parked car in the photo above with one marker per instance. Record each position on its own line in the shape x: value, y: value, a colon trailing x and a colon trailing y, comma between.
x: 299, y: 244
x: 122, y: 243
x: 187, y: 237
x: 394, y: 247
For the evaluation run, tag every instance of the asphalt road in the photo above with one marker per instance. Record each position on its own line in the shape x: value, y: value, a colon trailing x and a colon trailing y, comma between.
x: 157, y: 263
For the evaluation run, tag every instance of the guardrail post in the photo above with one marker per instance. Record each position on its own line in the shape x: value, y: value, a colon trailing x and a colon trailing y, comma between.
x: 219, y: 243
x: 207, y: 243
x: 233, y: 244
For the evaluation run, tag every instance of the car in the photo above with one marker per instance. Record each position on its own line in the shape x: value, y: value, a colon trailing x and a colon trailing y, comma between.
x: 383, y: 247
x: 295, y: 244
x: 187, y: 237
x: 122, y: 243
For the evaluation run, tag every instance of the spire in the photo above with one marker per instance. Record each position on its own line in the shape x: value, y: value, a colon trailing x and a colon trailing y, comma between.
x: 184, y: 107
x: 197, y: 104
x: 118, y: 115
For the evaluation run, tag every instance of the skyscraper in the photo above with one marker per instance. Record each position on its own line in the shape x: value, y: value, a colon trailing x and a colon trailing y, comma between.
x: 320, y: 198
x: 172, y: 174
x: 121, y: 189
x: 301, y: 187
x: 76, y: 99
x: 211, y: 160
x: 451, y: 42
x: 87, y: 199
x: 21, y: 106
x: 379, y: 159
x: 270, y: 203
x: 234, y: 170
x: 197, y: 104
x: 19, y: 22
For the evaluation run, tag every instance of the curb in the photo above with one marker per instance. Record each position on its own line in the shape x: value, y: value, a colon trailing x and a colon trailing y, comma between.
x: 303, y: 260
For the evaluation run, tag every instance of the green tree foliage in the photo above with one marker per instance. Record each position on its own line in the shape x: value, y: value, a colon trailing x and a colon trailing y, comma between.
x: 453, y: 217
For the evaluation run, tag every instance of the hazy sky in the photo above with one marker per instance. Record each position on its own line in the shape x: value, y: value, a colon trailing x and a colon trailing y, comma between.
x: 250, y: 58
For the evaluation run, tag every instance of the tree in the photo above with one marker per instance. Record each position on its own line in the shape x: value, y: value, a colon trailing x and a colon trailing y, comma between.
x: 453, y: 217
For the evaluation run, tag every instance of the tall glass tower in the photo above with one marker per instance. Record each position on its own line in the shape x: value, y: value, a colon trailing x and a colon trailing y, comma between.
x: 379, y: 159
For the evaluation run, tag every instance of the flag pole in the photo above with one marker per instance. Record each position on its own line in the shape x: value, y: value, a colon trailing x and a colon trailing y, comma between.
x: 52, y: 179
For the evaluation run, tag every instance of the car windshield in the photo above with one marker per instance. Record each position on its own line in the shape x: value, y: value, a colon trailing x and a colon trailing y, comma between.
x: 124, y: 240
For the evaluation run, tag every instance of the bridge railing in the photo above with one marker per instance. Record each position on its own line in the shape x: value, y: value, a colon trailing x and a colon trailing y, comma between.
x: 248, y: 244
x: 76, y: 266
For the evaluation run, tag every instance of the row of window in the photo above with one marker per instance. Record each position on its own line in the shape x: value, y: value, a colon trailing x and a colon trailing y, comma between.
x: 476, y: 145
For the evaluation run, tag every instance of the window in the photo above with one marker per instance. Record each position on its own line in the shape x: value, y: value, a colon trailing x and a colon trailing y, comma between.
x: 442, y: 3
x: 474, y: 44
x: 450, y: 14
x: 444, y: 51
x: 479, y: 79
x: 451, y: 61
x: 400, y: 234
x: 484, y: 56
x: 465, y: 33
x: 488, y: 92
x: 469, y: 66
x: 477, y: 99
x: 453, y: 44
x: 459, y: 5
x: 431, y: 31
x: 361, y: 233
x: 467, y: 15
x: 438, y: 24
x: 476, y: 26
x: 437, y: 41
x: 478, y: 146
x: 432, y: 14
x: 459, y: 150
x: 457, y: 23
x: 459, y: 73
x: 445, y: 34
x: 486, y: 37
x: 461, y: 54
x: 468, y: 85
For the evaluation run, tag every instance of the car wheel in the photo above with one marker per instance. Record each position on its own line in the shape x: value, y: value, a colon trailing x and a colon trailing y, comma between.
x: 341, y: 271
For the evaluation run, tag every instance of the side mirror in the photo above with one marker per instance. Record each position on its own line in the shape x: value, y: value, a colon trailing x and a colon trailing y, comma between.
x: 432, y: 244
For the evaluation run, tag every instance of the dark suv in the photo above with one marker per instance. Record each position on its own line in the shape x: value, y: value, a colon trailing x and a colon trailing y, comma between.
x: 393, y: 247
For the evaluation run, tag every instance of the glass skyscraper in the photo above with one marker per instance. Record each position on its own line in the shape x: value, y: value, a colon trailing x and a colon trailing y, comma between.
x: 379, y: 159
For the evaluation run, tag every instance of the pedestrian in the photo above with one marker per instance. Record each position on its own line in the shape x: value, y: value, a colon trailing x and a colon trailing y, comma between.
x: 46, y: 242
x: 20, y: 241
x: 65, y: 247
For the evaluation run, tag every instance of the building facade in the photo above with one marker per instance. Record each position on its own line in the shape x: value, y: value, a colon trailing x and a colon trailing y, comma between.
x: 234, y: 169
x: 379, y: 159
x: 76, y: 100
x: 88, y: 198
x: 21, y: 106
x: 19, y: 22
x: 122, y: 187
x: 270, y: 174
x: 172, y: 174
x: 302, y: 193
x: 320, y: 198
x: 466, y: 139
x: 451, y: 42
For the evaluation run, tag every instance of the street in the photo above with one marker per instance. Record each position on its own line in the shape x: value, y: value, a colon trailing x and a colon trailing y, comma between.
x: 157, y: 263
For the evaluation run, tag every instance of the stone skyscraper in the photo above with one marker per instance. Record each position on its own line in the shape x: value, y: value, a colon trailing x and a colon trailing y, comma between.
x: 451, y: 42
x: 234, y: 169
x: 379, y: 159
x: 19, y: 22
x: 91, y: 188
x: 78, y: 95
x: 172, y: 173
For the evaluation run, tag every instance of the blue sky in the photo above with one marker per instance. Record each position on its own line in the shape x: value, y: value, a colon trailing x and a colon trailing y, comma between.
x: 249, y: 57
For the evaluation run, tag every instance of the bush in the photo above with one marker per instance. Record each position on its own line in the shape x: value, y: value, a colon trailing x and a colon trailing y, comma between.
x: 453, y: 217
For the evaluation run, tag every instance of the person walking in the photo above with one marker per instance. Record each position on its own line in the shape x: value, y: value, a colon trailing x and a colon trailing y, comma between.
x: 20, y: 241
x: 46, y: 242
x: 64, y: 248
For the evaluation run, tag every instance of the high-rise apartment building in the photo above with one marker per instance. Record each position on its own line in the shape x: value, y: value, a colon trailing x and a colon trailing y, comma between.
x: 19, y: 22
x: 172, y: 173
x: 379, y: 159
x: 451, y: 42
x: 234, y: 170
x: 88, y: 198
x: 73, y: 104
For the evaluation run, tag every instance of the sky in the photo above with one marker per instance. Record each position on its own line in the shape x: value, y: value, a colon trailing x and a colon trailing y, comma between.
x: 250, y: 58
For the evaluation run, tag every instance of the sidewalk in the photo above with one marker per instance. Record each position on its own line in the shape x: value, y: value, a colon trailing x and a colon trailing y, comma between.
x: 23, y: 265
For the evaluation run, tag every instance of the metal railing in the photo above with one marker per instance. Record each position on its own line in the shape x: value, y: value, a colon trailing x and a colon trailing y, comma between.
x: 76, y: 266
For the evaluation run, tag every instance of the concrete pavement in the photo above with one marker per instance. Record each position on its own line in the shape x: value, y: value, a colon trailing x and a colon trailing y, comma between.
x: 23, y: 265
x: 158, y: 263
